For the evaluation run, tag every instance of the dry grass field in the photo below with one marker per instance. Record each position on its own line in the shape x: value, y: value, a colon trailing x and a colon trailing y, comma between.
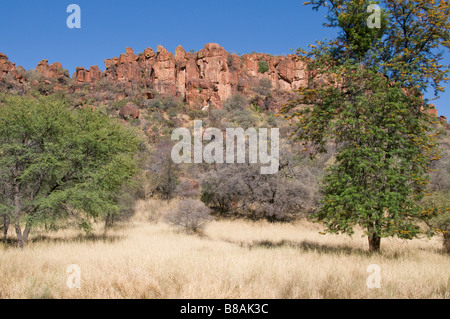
x: 232, y: 259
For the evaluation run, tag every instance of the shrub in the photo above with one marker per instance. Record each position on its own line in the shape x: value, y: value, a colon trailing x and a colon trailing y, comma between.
x: 242, y: 118
x: 34, y: 75
x: 263, y: 87
x: 239, y: 190
x: 235, y: 102
x: 190, y: 215
x: 197, y: 114
x: 263, y: 67
x: 118, y: 105
x: 166, y: 103
x: 272, y: 121
x: 107, y: 85
x: 215, y: 116
x: 188, y: 189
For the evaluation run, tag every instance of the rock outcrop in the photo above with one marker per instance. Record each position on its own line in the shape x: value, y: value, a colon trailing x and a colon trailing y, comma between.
x: 432, y: 110
x: 206, y: 77
x: 92, y: 75
x: 9, y: 70
x: 203, y: 78
x: 52, y: 71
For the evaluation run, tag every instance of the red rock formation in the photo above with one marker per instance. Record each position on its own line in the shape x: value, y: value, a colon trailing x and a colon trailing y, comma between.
x: 54, y: 71
x: 200, y: 92
x: 92, y: 75
x: 163, y: 74
x: 207, y: 77
x: 7, y: 68
x: 5, y: 65
x: 432, y: 110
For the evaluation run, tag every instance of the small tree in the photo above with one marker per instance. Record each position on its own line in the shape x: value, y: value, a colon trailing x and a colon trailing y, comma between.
x: 365, y: 94
x: 164, y: 172
x: 190, y: 215
x: 56, y: 162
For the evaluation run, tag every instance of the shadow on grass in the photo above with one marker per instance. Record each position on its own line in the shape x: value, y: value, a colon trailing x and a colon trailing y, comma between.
x: 309, y: 246
x: 81, y: 238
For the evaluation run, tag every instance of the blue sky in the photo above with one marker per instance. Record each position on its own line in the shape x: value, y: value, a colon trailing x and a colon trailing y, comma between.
x: 36, y: 30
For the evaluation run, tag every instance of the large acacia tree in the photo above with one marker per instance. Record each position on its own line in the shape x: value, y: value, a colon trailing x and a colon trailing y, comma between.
x: 365, y: 94
x: 56, y: 162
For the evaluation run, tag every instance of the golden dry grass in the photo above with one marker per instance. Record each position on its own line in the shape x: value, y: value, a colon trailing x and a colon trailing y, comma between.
x: 233, y: 259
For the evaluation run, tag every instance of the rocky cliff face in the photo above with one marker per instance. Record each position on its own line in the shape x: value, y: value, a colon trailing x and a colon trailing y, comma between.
x: 206, y: 77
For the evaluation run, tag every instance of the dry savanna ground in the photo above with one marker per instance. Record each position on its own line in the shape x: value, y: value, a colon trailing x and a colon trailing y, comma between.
x: 232, y: 259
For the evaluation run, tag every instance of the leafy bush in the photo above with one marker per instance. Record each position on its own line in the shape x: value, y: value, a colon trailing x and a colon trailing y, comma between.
x: 107, y: 85
x: 34, y: 75
x: 190, y: 215
x: 263, y: 67
x: 166, y: 103
x: 197, y: 114
x: 118, y: 105
x: 45, y: 87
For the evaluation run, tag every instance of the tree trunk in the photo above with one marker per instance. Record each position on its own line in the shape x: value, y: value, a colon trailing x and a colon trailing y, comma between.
x: 22, y: 238
x: 107, y: 222
x: 6, y: 222
x: 374, y: 242
x: 447, y: 243
x: 20, y: 241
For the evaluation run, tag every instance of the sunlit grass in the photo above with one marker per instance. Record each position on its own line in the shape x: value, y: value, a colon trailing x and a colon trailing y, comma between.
x: 232, y: 259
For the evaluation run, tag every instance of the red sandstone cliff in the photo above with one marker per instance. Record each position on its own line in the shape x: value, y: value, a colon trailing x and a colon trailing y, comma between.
x: 207, y: 77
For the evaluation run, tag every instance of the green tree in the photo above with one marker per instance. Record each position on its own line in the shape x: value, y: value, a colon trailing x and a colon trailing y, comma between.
x: 365, y: 95
x: 57, y: 163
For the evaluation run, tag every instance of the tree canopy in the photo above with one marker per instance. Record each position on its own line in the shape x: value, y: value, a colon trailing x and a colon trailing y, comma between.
x: 58, y: 163
x: 366, y: 96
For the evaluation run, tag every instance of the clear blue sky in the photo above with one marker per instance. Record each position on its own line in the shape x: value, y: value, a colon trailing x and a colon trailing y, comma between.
x: 36, y: 30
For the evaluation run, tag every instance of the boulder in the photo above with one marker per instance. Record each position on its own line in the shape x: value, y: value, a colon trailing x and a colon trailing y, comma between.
x: 129, y: 111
